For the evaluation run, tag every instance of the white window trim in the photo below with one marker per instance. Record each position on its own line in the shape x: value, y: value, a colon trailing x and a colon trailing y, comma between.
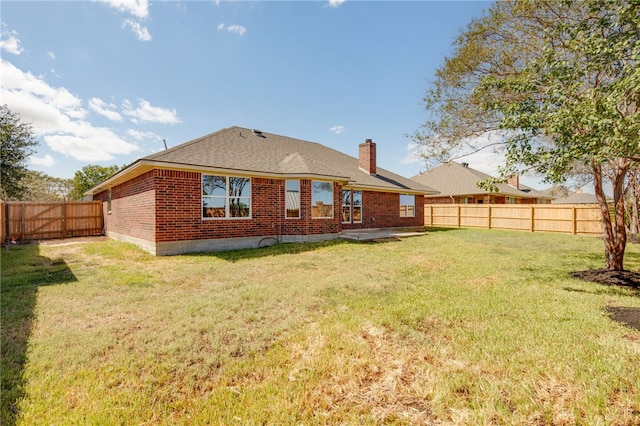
x: 353, y: 206
x: 332, y: 198
x: 227, y: 205
x: 299, y: 199
x: 350, y: 205
x: 407, y: 210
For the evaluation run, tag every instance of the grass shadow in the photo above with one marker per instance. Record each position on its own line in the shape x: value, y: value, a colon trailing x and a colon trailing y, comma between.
x: 609, y: 290
x: 274, y: 250
x: 441, y: 228
x: 24, y: 271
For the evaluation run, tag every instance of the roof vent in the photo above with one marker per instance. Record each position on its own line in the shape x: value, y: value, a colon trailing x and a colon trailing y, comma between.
x: 258, y: 133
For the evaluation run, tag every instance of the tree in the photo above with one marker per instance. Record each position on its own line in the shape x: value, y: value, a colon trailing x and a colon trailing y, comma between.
x: 559, y: 83
x: 90, y: 176
x: 40, y: 186
x: 17, y: 142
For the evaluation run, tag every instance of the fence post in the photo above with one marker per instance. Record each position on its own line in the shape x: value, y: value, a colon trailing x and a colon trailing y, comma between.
x: 574, y: 220
x: 5, y: 222
x: 489, y: 216
x: 459, y: 213
x: 533, y: 214
x: 22, y: 220
x: 64, y: 219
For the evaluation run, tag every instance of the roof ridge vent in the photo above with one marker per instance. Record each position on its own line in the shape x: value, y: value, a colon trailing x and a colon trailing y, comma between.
x: 258, y: 133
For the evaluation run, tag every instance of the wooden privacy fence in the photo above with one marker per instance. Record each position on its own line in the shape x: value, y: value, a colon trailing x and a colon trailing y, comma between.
x: 582, y: 219
x: 24, y: 220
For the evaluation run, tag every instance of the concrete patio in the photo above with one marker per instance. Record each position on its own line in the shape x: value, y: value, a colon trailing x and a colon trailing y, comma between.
x: 380, y: 233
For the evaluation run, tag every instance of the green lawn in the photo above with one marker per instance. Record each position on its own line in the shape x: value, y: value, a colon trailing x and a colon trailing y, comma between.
x: 453, y: 327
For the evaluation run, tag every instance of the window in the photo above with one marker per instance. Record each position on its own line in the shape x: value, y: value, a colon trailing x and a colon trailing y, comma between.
x: 292, y: 199
x: 357, y: 206
x: 351, y: 206
x: 321, y: 199
x: 346, y: 206
x: 225, y: 197
x: 407, y: 205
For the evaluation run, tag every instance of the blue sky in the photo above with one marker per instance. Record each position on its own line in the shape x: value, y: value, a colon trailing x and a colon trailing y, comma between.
x: 104, y: 82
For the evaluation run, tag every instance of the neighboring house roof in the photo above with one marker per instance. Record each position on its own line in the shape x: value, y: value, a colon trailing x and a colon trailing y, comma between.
x: 454, y: 179
x: 562, y: 195
x: 238, y: 150
x: 577, y: 198
x: 558, y: 191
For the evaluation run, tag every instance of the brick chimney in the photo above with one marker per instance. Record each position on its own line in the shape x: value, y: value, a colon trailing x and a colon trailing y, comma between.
x: 367, y: 156
x: 514, y: 180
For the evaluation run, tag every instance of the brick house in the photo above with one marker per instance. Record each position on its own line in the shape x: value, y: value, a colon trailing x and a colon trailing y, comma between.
x: 231, y: 188
x: 458, y: 184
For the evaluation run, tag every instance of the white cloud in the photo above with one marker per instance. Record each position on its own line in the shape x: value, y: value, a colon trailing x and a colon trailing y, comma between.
x: 337, y: 129
x: 146, y: 112
x: 46, y: 161
x: 51, y: 55
x: 106, y: 110
x: 138, y: 135
x: 141, y: 32
x: 489, y: 161
x: 137, y: 8
x: 87, y: 143
x: 57, y: 117
x: 236, y: 29
x: 413, y: 154
x: 15, y: 80
x: 9, y: 41
x: 336, y: 3
x: 485, y: 161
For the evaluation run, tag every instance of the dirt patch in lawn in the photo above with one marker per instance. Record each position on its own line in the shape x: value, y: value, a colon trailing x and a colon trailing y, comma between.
x: 72, y: 240
x: 606, y: 277
x: 625, y: 315
x: 628, y: 316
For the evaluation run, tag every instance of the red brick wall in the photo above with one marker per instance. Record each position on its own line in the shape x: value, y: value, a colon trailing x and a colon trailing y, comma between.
x: 442, y: 200
x: 305, y: 225
x: 178, y: 204
x: 179, y: 211
x: 166, y: 206
x: 132, y: 208
x: 385, y: 208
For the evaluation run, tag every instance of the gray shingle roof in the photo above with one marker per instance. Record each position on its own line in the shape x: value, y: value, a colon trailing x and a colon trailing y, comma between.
x: 241, y: 150
x: 575, y: 198
x: 453, y: 179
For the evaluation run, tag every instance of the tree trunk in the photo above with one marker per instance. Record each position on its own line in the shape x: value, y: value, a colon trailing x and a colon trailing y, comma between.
x: 634, y: 189
x: 614, y: 234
